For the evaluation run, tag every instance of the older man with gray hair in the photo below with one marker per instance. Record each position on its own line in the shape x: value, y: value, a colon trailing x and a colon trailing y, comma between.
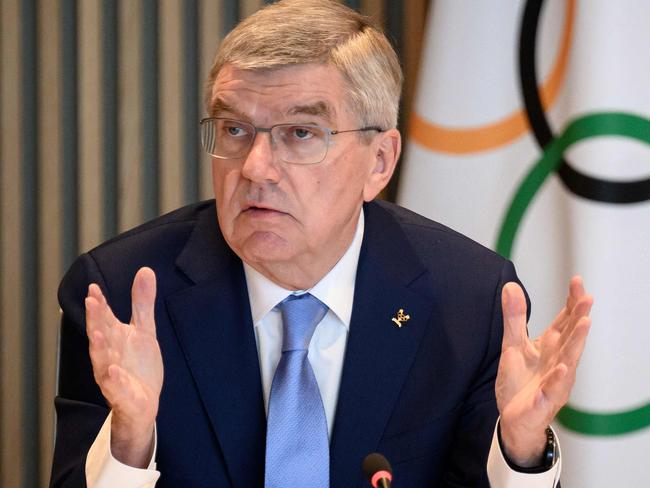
x: 307, y: 325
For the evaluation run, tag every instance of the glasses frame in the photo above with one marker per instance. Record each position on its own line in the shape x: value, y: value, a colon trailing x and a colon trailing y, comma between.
x: 269, y: 130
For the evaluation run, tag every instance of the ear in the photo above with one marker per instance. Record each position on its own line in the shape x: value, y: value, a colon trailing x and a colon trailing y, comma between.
x: 388, y: 146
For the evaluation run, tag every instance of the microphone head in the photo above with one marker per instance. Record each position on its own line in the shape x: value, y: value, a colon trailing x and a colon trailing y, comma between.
x: 376, y: 467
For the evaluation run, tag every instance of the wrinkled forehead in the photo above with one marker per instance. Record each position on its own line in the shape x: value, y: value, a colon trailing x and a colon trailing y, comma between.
x: 319, y: 109
x: 309, y: 90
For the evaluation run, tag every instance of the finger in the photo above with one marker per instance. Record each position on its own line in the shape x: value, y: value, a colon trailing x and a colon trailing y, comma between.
x: 581, y: 309
x: 576, y: 291
x: 102, y: 314
x: 99, y: 354
x: 95, y: 316
x: 583, y: 306
x: 143, y: 298
x: 571, y: 351
x: 100, y: 329
x: 124, y: 394
x: 94, y: 291
x: 513, y: 303
x: 578, y: 303
x: 557, y: 383
x: 555, y: 387
x: 115, y: 387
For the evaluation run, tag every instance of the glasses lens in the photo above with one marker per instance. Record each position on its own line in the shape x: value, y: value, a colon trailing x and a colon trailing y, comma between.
x: 226, y: 138
x: 300, y: 144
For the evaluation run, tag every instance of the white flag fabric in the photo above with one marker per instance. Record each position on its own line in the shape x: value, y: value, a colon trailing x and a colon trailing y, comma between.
x: 531, y: 134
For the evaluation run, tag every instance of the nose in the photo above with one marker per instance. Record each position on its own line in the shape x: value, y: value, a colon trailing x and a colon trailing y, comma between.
x: 260, y: 164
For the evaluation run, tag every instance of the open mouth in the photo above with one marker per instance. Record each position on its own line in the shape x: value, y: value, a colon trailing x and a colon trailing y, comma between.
x: 256, y: 211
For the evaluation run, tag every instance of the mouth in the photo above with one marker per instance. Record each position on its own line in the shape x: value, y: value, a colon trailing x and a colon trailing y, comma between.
x: 260, y: 211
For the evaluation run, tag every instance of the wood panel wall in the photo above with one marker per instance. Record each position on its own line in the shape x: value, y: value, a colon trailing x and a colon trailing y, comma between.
x: 99, y: 109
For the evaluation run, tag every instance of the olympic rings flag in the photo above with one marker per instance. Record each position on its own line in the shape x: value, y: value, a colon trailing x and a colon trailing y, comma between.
x: 531, y: 134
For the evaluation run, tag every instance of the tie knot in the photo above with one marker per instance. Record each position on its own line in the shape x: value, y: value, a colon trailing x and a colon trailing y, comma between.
x: 300, y: 316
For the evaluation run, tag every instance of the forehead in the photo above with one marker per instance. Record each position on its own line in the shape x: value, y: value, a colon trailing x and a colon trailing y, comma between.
x: 311, y: 89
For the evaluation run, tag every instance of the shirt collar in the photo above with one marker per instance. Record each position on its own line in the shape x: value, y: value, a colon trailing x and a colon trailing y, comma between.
x: 335, y: 289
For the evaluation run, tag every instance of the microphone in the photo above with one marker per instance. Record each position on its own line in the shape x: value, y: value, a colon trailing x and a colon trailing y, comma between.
x: 377, y: 470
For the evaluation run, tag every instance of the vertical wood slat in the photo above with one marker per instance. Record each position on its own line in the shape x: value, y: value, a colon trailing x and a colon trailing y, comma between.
x: 394, y: 29
x: 171, y: 156
x: 355, y: 4
x: 69, y: 123
x: 90, y: 125
x: 50, y: 209
x: 231, y: 13
x: 30, y: 231
x: 414, y: 25
x: 215, y: 19
x: 149, y: 67
x: 190, y: 68
x: 405, y: 27
x: 11, y: 441
x: 110, y: 141
x: 375, y: 9
x: 248, y: 7
x: 130, y: 202
x: 2, y: 321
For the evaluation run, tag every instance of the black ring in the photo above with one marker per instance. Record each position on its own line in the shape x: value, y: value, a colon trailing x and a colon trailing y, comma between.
x: 582, y: 185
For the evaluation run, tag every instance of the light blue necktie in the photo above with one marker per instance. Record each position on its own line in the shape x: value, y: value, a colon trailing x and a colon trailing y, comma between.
x: 297, y: 445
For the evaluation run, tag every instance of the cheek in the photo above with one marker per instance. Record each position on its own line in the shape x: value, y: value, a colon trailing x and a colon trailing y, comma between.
x: 331, y: 199
x: 345, y: 183
x: 224, y: 182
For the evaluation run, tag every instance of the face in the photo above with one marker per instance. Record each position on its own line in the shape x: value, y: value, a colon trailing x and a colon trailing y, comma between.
x: 293, y: 222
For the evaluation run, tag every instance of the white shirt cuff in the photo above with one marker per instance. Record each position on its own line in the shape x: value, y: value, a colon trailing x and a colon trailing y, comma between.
x: 104, y: 471
x: 502, y: 476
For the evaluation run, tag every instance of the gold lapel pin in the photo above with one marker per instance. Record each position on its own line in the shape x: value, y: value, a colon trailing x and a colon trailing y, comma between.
x: 400, y: 318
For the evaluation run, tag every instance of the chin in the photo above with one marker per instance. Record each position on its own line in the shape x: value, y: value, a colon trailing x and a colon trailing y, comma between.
x: 265, y: 247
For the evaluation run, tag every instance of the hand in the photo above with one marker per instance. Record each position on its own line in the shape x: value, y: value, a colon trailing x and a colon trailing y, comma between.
x: 127, y: 366
x: 535, y: 377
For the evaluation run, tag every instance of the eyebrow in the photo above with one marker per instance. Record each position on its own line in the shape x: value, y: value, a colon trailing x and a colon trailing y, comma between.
x: 219, y: 105
x: 318, y: 109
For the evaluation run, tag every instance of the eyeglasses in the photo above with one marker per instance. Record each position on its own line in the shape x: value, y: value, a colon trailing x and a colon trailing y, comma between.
x: 295, y: 144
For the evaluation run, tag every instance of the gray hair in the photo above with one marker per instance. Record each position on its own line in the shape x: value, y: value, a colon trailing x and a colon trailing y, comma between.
x: 292, y: 32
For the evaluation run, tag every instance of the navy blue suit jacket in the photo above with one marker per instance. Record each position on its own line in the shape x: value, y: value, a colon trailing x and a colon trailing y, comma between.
x: 422, y: 394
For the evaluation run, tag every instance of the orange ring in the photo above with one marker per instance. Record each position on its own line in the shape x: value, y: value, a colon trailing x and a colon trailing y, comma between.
x: 462, y: 141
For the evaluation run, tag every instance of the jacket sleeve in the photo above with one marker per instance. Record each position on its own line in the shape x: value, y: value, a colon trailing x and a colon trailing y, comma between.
x: 80, y: 407
x: 467, y: 462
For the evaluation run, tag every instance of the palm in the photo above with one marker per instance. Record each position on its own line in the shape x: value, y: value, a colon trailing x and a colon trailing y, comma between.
x: 126, y: 358
x: 535, y: 377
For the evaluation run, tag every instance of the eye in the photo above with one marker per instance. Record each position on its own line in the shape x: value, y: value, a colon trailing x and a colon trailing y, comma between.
x: 234, y: 130
x: 302, y: 132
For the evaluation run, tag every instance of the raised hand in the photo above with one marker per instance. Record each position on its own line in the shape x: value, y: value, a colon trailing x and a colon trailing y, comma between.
x: 535, y: 377
x: 127, y: 366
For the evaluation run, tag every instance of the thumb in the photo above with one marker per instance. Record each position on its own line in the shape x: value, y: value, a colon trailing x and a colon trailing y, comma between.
x: 143, y: 298
x: 513, y: 304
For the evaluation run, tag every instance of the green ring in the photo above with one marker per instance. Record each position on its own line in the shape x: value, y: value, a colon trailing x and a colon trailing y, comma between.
x: 585, y: 127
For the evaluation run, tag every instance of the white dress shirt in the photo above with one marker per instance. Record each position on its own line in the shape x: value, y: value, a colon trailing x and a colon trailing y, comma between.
x: 327, y: 346
x: 326, y: 354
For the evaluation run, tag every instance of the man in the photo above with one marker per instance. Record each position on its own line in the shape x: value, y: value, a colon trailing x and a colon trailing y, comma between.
x: 401, y: 351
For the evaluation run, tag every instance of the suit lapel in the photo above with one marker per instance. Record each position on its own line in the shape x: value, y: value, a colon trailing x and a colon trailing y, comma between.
x: 379, y: 353
x: 213, y: 323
